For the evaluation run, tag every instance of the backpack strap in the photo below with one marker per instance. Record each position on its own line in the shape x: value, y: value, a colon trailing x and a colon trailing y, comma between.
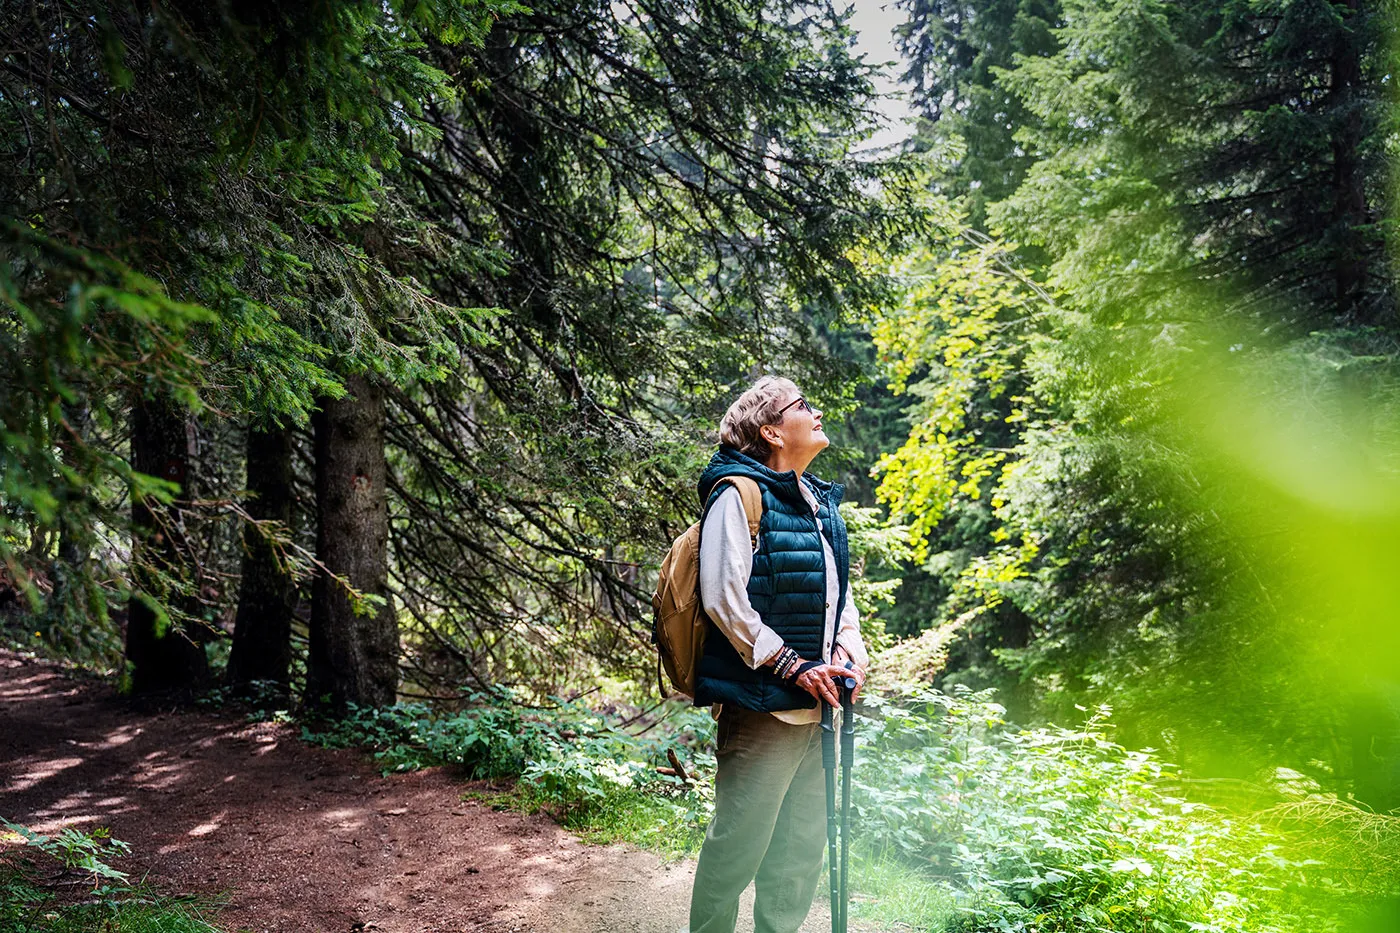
x: 753, y: 504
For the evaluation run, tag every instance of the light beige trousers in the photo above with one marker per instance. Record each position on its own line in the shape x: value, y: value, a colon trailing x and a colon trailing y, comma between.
x: 769, y: 825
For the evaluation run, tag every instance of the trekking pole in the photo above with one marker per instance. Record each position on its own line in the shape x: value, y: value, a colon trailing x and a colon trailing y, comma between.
x: 848, y: 751
x: 829, y: 766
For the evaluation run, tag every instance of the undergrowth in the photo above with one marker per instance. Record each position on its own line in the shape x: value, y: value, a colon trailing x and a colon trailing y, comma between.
x: 892, y: 892
x: 669, y: 820
x: 64, y: 884
x: 1056, y: 830
x: 593, y: 776
x: 962, y: 823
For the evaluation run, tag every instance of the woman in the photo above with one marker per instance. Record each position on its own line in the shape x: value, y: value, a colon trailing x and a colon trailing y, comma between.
x: 786, y: 627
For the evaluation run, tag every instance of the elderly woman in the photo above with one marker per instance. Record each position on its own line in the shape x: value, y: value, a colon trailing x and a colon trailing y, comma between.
x: 788, y: 627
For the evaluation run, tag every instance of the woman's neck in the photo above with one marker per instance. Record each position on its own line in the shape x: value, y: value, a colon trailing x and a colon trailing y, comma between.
x: 779, y: 461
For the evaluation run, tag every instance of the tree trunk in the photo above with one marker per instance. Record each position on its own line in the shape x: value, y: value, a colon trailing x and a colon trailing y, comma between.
x: 68, y: 600
x: 164, y: 657
x: 1375, y: 742
x: 262, y: 630
x: 353, y: 655
x: 1350, y: 211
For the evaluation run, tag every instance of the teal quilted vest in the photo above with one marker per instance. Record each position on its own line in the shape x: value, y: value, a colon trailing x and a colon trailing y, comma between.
x: 787, y: 586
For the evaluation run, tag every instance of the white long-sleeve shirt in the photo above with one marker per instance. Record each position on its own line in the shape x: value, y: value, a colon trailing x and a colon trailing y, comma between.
x: 726, y: 562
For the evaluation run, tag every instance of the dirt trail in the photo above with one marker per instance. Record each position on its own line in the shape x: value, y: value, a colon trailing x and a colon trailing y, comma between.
x: 311, y: 840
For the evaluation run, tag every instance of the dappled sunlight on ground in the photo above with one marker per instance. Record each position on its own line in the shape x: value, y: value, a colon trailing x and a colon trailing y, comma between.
x: 307, y: 839
x: 204, y: 829
x: 45, y: 685
x: 29, y: 772
x: 118, y: 736
x: 344, y: 818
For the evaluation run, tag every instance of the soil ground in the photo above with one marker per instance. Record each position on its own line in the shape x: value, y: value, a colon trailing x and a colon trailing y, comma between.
x: 300, y: 839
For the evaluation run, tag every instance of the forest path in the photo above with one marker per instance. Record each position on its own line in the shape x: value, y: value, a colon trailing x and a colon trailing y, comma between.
x: 311, y: 840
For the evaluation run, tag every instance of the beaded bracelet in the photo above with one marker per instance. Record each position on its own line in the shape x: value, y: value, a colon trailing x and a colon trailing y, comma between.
x: 785, y: 662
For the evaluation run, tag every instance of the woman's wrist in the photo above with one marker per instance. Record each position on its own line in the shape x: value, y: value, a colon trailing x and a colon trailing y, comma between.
x: 786, y: 662
x: 789, y: 665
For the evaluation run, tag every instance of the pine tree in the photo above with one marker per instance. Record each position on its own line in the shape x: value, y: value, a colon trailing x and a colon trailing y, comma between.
x: 1254, y: 132
x: 354, y: 649
x: 248, y: 145
x: 655, y: 201
x: 262, y: 634
x: 956, y: 50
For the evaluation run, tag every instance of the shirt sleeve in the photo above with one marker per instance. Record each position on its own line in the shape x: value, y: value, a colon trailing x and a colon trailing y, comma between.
x: 726, y: 561
x: 848, y: 632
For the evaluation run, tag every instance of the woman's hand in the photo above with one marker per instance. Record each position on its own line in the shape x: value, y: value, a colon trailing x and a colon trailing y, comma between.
x: 840, y: 658
x: 819, y: 682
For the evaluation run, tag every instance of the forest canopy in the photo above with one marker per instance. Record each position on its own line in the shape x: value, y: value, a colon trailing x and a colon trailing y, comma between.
x: 370, y: 351
x: 366, y: 354
x: 494, y: 267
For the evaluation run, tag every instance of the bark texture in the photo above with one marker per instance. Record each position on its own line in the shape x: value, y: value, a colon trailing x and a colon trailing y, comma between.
x: 69, y: 571
x: 1350, y: 212
x: 353, y: 656
x: 164, y: 657
x: 262, y: 631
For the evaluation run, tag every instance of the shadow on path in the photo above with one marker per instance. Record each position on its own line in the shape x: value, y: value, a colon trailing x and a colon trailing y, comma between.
x: 304, y: 839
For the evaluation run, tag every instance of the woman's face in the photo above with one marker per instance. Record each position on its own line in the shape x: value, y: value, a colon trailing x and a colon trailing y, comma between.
x: 800, y: 428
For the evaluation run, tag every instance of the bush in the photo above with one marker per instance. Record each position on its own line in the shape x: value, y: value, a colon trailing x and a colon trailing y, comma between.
x: 593, y: 776
x: 492, y: 739
x: 28, y: 903
x: 1062, y: 830
x: 606, y: 784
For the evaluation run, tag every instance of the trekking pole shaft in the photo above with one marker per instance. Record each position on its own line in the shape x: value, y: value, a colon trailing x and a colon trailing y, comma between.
x: 829, y: 767
x: 848, y: 750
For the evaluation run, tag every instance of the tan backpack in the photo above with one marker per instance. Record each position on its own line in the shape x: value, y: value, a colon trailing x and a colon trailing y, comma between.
x: 678, y: 621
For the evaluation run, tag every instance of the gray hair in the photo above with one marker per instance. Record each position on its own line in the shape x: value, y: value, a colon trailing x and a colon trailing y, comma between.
x: 739, y: 428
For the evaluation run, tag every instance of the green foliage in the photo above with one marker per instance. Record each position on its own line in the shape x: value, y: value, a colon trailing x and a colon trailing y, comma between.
x: 186, y: 206
x: 59, y: 354
x: 1208, y: 142
x: 605, y: 786
x: 963, y: 343
x: 1056, y: 829
x: 894, y: 893
x: 594, y: 777
x: 667, y: 819
x: 956, y: 50
x: 492, y: 738
x: 1135, y: 521
x: 961, y: 324
x: 77, y: 851
x: 879, y: 550
x: 29, y: 904
x: 603, y: 768
x: 1196, y: 224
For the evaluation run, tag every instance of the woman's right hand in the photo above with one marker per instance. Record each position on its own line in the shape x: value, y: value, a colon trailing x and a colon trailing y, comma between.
x: 819, y: 682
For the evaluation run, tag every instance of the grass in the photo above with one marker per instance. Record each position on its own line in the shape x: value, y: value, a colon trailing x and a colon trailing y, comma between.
x: 643, y: 820
x: 892, y: 893
x: 27, y: 906
x: 646, y: 820
x: 92, y: 896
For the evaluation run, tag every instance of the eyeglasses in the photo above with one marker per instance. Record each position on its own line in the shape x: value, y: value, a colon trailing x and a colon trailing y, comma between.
x: 801, y: 403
